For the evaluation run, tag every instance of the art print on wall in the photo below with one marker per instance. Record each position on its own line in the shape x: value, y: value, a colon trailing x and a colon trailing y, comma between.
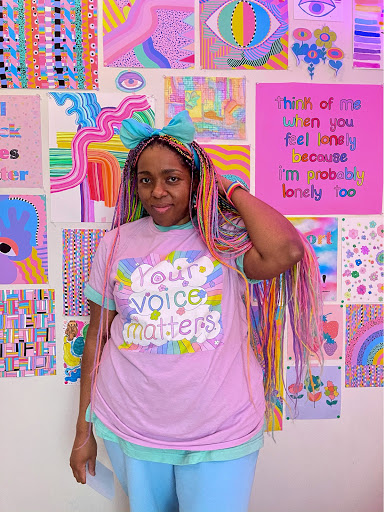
x: 20, y: 148
x: 161, y: 33
x: 333, y: 334
x: 237, y: 34
x: 368, y: 38
x: 48, y: 44
x: 23, y: 240
x: 79, y: 249
x: 321, y: 151
x: 86, y: 153
x: 362, y: 259
x: 215, y: 104
x: 364, y: 352
x: 322, y: 234
x: 27, y: 333
x: 75, y: 332
x: 327, y: 10
x: 233, y: 161
x: 316, y: 397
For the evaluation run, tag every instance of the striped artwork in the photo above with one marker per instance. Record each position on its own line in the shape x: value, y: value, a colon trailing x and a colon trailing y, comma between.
x: 161, y: 33
x: 243, y: 34
x: 79, y: 248
x: 233, y: 162
x: 27, y: 333
x: 368, y: 34
x: 48, y: 44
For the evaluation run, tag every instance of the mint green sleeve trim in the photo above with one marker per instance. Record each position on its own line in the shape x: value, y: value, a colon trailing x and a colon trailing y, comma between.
x: 96, y: 297
x: 176, y: 457
x: 240, y: 266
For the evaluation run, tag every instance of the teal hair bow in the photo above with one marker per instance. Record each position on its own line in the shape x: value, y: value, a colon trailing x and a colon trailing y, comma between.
x: 180, y: 127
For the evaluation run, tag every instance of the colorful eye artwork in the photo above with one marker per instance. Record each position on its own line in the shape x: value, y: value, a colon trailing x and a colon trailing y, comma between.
x: 243, y: 34
x: 326, y: 9
x: 130, y: 81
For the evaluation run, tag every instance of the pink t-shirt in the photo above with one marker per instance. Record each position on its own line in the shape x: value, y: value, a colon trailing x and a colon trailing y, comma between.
x: 174, y: 372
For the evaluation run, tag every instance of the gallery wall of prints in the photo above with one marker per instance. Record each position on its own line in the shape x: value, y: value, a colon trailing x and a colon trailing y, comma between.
x: 287, y: 97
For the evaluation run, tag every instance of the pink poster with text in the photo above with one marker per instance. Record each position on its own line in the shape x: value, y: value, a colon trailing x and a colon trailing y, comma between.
x: 319, y: 148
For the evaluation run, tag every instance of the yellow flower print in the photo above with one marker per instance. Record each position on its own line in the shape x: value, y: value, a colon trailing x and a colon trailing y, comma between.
x: 325, y: 37
x: 202, y: 269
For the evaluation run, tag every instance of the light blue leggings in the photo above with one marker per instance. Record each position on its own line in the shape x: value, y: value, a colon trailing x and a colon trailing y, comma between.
x: 203, y: 487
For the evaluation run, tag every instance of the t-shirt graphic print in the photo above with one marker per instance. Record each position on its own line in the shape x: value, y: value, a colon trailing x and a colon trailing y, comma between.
x: 170, y: 304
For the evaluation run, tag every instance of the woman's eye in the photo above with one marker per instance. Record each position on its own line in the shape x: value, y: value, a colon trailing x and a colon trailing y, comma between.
x: 145, y: 181
x: 173, y: 179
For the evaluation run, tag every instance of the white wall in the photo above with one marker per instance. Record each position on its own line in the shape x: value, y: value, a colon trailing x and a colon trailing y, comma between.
x: 316, y: 466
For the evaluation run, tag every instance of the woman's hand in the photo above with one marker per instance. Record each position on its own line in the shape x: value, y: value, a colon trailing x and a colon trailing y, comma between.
x: 84, y: 452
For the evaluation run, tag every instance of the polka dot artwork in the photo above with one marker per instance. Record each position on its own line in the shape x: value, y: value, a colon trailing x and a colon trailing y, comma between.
x: 362, y: 259
x: 364, y: 345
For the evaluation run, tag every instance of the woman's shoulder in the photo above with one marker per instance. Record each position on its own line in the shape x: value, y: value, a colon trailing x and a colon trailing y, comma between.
x: 128, y: 229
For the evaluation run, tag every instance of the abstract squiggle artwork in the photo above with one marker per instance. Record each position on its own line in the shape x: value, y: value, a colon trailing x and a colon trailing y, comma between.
x: 79, y: 248
x: 244, y: 34
x: 75, y: 332
x: 23, y: 240
x: 233, y: 162
x: 362, y: 259
x: 48, y: 44
x: 27, y: 333
x: 86, y: 153
x: 215, y: 104
x: 364, y: 352
x: 148, y: 33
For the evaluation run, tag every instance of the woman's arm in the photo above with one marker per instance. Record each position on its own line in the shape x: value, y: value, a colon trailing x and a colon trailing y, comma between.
x: 84, y: 447
x: 276, y: 242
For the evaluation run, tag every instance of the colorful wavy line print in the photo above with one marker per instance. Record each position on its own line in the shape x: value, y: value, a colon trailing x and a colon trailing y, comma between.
x: 27, y: 333
x: 233, y: 162
x: 79, y: 248
x: 368, y: 34
x: 161, y: 34
x: 237, y: 34
x: 364, y: 351
x: 48, y: 44
x: 103, y: 131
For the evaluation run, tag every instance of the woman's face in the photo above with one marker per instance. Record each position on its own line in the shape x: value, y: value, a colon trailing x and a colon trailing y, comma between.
x: 164, y: 185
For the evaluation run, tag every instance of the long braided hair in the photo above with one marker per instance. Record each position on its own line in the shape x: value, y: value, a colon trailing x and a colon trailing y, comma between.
x: 298, y: 290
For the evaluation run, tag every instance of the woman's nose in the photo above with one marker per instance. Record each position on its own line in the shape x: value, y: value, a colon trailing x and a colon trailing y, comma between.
x: 159, y: 190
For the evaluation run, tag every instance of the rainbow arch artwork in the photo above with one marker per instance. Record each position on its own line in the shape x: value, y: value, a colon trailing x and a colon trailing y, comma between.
x: 148, y: 33
x: 364, y: 352
x: 244, y: 34
x: 23, y: 240
x: 86, y: 153
x: 48, y: 45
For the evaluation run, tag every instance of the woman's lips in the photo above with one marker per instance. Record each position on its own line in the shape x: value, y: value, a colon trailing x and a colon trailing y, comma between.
x: 162, y: 209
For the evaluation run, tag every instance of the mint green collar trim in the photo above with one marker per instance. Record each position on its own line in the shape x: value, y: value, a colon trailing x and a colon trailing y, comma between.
x: 187, y: 225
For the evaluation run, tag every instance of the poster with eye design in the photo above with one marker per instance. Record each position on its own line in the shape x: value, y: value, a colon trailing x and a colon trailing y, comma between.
x: 23, y: 240
x: 75, y: 332
x: 20, y: 148
x: 364, y: 353
x: 320, y: 10
x: 130, y: 81
x: 27, y: 333
x: 322, y: 235
x: 362, y: 259
x: 237, y: 34
x: 314, y: 398
x: 86, y: 154
x: 161, y: 33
